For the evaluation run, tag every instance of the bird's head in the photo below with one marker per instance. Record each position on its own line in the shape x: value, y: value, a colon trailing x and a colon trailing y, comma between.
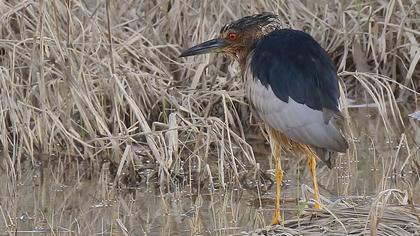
x: 236, y: 39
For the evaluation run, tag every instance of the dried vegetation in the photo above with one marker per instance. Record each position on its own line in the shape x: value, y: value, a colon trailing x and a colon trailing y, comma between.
x: 101, y: 80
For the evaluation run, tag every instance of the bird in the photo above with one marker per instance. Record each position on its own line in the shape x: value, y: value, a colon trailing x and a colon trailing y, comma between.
x: 292, y: 87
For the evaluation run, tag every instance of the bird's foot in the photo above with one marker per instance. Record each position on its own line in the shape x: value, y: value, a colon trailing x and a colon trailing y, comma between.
x: 314, y: 215
x: 317, y: 208
x: 276, y: 219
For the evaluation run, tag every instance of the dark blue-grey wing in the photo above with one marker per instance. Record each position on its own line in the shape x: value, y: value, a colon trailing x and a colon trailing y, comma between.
x: 293, y: 86
x: 296, y: 66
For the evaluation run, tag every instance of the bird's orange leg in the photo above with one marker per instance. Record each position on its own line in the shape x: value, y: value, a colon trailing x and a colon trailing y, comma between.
x: 279, y: 179
x: 312, y: 166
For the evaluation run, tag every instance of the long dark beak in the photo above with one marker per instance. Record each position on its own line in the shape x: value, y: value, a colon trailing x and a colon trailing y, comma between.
x: 206, y: 47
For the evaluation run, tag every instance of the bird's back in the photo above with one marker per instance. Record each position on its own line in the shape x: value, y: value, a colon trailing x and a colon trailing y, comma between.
x: 293, y: 87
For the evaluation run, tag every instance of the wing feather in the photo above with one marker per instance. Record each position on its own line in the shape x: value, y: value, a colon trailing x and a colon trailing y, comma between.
x: 293, y: 87
x: 298, y: 121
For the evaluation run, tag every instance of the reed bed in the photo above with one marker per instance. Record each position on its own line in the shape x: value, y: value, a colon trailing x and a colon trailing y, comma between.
x: 352, y: 216
x: 101, y: 80
x: 97, y: 79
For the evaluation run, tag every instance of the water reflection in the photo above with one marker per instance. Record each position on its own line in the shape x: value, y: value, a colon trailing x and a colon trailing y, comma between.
x: 80, y: 196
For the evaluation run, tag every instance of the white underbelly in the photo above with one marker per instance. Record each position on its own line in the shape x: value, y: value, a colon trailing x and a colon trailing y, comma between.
x: 297, y: 121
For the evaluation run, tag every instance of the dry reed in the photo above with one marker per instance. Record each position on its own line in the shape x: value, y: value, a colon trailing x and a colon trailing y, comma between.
x: 102, y: 80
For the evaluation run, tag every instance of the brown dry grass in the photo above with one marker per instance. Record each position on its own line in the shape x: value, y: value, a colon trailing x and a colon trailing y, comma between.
x: 102, y: 80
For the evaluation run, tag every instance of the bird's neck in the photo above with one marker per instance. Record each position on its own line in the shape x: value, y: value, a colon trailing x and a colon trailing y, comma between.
x: 242, y: 58
x: 248, y: 44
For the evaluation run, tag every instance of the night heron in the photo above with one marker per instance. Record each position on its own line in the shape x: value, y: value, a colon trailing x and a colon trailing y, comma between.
x: 292, y: 86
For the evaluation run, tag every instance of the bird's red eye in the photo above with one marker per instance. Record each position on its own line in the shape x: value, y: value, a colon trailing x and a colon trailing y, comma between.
x: 232, y: 36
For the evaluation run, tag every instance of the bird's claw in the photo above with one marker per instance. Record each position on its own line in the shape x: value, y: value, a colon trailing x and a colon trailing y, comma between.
x: 276, y: 218
x: 276, y: 221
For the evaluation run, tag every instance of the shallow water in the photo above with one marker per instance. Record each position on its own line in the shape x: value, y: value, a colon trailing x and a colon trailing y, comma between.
x: 79, y: 196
